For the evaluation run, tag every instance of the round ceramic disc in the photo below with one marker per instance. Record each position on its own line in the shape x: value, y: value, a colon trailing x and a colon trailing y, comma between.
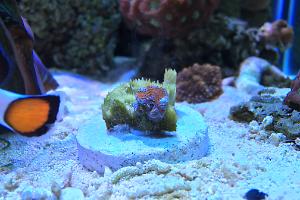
x: 124, y: 146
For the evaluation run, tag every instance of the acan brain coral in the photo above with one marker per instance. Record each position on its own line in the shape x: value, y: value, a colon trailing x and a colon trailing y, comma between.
x: 199, y: 83
x: 166, y: 18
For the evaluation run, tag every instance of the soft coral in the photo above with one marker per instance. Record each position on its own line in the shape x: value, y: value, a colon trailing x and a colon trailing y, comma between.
x: 293, y: 97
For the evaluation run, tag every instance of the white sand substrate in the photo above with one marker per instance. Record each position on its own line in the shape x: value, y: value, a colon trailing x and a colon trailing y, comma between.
x: 234, y: 165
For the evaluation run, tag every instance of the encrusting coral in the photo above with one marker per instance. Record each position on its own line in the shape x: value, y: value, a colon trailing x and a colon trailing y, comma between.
x: 167, y: 18
x: 269, y: 102
x: 78, y: 35
x: 142, y: 104
x: 199, y: 83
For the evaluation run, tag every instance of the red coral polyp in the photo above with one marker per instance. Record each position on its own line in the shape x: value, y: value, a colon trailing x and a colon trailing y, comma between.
x: 151, y: 101
x: 151, y: 92
x: 167, y: 18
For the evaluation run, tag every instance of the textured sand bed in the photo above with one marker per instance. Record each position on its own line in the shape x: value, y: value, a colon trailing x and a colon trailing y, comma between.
x: 234, y: 165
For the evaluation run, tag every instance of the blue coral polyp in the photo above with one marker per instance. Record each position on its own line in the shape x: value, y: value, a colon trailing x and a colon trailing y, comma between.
x: 151, y: 101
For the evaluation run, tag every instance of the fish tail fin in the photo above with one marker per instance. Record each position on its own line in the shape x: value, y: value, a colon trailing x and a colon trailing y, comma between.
x: 33, y: 115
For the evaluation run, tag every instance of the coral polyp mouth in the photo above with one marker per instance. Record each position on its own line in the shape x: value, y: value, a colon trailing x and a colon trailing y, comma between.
x: 143, y: 105
x: 151, y: 101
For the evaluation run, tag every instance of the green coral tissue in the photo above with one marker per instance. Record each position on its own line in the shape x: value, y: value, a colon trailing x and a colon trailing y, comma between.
x: 142, y: 104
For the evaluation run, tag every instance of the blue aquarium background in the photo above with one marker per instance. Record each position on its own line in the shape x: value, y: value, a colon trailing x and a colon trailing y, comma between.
x: 289, y: 10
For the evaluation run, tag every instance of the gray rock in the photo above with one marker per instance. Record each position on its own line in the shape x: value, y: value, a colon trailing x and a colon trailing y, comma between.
x: 269, y: 103
x: 70, y: 193
x: 30, y: 193
x: 251, y: 71
x: 276, y: 138
x: 123, y: 146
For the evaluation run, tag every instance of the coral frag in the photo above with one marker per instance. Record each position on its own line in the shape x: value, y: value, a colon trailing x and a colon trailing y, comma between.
x: 77, y: 35
x: 199, y: 83
x: 143, y: 104
x: 166, y: 18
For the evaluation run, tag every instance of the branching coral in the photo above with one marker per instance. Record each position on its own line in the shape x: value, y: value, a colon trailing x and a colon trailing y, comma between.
x: 166, y: 17
x: 143, y: 104
x: 293, y: 97
x: 78, y: 35
x: 199, y: 83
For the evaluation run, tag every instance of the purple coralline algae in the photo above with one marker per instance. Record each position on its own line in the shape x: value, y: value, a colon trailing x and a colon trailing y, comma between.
x: 152, y: 101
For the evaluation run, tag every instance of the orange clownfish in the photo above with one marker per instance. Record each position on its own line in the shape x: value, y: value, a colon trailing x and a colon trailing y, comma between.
x: 29, y: 115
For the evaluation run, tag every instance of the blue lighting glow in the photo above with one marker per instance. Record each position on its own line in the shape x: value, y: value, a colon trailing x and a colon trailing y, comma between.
x: 287, y: 65
x: 279, y: 9
x: 281, y: 12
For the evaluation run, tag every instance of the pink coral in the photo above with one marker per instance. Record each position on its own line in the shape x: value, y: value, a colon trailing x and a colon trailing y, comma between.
x: 293, y: 97
x: 167, y: 18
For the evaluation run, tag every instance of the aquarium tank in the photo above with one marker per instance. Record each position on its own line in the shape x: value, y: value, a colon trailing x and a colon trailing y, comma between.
x: 149, y: 99
x: 289, y: 10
